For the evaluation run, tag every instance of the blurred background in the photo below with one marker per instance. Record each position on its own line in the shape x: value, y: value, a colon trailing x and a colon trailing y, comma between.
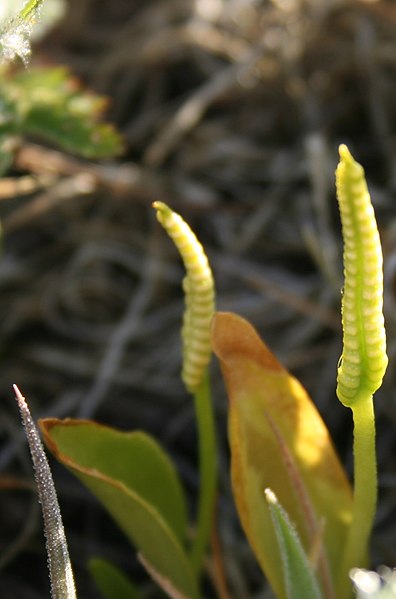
x: 231, y: 111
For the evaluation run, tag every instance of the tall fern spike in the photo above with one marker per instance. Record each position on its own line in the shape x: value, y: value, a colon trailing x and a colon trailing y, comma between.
x: 198, y: 286
x: 363, y: 362
x: 61, y: 575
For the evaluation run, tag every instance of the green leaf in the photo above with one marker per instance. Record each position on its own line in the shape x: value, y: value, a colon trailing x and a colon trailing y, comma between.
x: 132, y: 458
x: 136, y: 482
x: 111, y: 582
x: 300, y: 580
x: 9, y: 129
x: 49, y: 104
x: 72, y: 130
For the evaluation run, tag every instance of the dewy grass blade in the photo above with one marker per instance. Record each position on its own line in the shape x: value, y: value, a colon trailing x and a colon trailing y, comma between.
x: 61, y: 575
x: 300, y: 579
x: 30, y: 9
x: 15, y: 33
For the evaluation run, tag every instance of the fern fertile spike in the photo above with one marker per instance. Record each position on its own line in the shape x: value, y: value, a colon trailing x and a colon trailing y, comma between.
x: 199, y: 292
x: 363, y: 362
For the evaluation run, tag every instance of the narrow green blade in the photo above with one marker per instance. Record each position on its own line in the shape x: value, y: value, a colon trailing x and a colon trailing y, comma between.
x: 300, y: 580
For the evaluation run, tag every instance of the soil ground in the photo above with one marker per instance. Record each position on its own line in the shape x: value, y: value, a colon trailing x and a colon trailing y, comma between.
x: 232, y: 112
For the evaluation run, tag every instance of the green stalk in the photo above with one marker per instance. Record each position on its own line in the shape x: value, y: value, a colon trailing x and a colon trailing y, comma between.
x: 363, y: 362
x: 207, y: 471
x: 199, y: 292
x: 365, y: 492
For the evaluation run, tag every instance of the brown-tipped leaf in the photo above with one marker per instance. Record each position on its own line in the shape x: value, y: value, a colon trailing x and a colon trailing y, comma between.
x: 278, y: 440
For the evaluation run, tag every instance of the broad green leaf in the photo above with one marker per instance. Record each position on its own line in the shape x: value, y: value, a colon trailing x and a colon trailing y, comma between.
x: 300, y: 580
x: 132, y: 458
x: 136, y: 482
x: 111, y: 582
x: 279, y: 441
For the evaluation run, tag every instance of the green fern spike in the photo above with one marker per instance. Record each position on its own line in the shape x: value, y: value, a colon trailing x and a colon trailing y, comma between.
x: 198, y: 286
x: 200, y: 305
x: 363, y: 362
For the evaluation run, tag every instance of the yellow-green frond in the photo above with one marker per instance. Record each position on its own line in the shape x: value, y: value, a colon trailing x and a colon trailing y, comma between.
x: 363, y: 362
x: 199, y: 292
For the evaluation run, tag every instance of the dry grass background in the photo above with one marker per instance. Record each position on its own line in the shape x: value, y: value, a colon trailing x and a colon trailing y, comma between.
x: 232, y: 111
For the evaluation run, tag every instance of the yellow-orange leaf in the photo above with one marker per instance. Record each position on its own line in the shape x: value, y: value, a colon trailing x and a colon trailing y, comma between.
x: 278, y: 440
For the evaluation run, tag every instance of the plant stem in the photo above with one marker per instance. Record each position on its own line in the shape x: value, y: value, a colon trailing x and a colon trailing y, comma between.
x: 207, y: 471
x: 365, y: 492
x: 219, y: 572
